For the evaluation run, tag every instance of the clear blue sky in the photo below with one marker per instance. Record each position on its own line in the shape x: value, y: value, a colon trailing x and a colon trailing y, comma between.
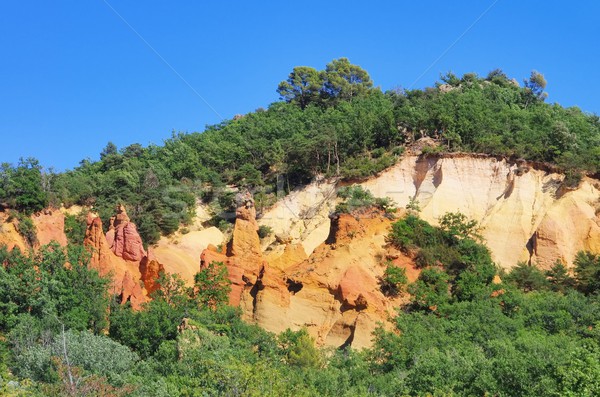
x: 73, y: 75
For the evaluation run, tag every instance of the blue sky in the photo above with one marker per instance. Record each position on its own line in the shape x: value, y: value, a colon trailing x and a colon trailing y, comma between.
x: 74, y: 75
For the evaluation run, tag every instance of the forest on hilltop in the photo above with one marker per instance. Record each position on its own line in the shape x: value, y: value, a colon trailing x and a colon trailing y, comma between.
x: 462, y: 332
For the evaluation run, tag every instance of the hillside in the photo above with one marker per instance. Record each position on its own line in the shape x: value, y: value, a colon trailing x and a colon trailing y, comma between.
x: 344, y: 240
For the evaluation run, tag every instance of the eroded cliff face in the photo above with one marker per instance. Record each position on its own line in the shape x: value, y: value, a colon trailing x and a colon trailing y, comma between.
x: 334, y: 292
x: 49, y: 225
x: 526, y: 214
x: 120, y: 254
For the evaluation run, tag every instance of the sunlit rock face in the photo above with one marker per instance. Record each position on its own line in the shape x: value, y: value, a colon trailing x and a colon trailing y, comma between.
x: 525, y: 213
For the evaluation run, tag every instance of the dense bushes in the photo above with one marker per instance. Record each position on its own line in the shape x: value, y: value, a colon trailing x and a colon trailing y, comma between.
x: 41, y: 285
x: 460, y: 334
x: 464, y: 335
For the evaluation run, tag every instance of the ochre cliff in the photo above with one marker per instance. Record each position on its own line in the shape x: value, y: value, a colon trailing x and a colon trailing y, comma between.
x: 334, y: 292
x: 50, y: 225
x: 120, y: 254
x: 525, y: 213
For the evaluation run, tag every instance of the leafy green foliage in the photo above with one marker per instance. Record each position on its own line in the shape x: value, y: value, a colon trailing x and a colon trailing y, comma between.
x: 26, y: 228
x: 144, y: 331
x: 340, y: 81
x: 459, y: 226
x: 394, y: 280
x: 302, y: 87
x: 42, y: 285
x: 476, y: 348
x: 75, y: 227
x: 299, y: 349
x: 356, y: 198
x: 528, y: 278
x: 264, y: 231
x: 21, y: 187
x: 587, y: 272
x: 455, y: 263
x: 98, y: 354
x: 559, y: 278
x: 211, y: 285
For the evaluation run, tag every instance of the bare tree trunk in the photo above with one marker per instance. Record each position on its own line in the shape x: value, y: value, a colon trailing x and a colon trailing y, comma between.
x: 337, y: 159
x: 64, y: 340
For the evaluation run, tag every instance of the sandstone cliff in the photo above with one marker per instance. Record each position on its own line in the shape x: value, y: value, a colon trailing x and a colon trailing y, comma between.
x: 525, y: 213
x: 50, y: 226
x: 121, y: 255
x: 335, y: 292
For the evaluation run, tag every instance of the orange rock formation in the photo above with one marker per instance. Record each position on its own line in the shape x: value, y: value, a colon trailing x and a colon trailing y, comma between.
x: 334, y: 293
x: 120, y: 254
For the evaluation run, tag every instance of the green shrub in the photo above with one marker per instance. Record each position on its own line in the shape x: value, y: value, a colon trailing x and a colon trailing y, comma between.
x: 431, y: 290
x: 264, y: 231
x: 96, y: 354
x: 27, y: 229
x: 75, y: 227
x: 394, y: 280
x: 587, y: 272
x: 299, y: 349
x: 528, y: 278
x: 386, y: 204
x: 356, y: 198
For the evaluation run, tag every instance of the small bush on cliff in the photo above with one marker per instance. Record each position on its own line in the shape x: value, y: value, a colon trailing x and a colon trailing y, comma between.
x: 356, y: 198
x: 264, y: 231
x: 454, y: 247
x: 27, y: 229
x: 211, y: 286
x: 75, y: 226
x: 394, y: 280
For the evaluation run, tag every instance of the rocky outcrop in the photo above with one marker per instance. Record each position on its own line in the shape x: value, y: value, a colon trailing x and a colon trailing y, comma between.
x: 243, y: 257
x: 245, y: 248
x: 50, y: 226
x: 102, y: 258
x: 123, y: 238
x: 524, y: 213
x: 9, y: 235
x: 302, y: 217
x: 150, y: 271
x: 179, y: 253
x: 335, y: 292
x: 125, y: 275
x: 120, y: 255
